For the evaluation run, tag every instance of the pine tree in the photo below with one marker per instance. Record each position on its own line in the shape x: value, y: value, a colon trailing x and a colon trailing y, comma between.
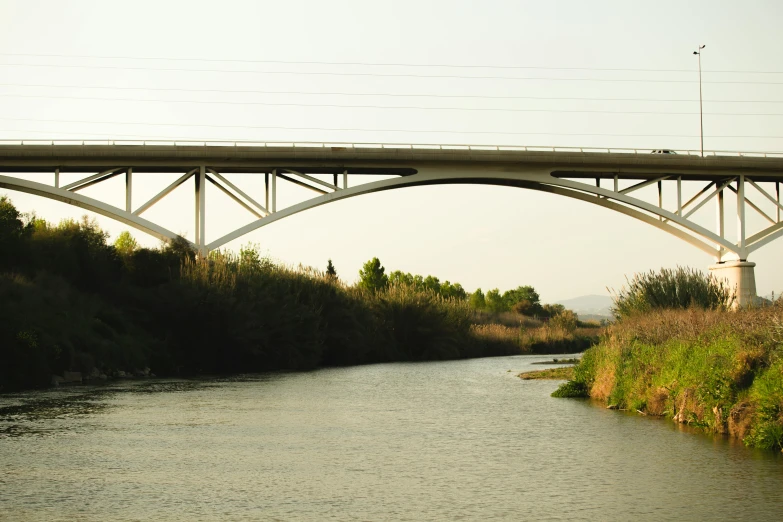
x: 330, y: 271
x: 372, y: 276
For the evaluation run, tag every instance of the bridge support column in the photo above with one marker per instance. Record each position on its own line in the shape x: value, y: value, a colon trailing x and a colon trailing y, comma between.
x: 741, y: 277
x: 201, y: 192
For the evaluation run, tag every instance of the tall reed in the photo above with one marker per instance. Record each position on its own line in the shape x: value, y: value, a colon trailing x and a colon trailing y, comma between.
x: 671, y: 288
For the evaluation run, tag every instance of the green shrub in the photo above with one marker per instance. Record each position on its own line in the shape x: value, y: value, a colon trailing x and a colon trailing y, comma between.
x: 679, y: 288
x: 571, y: 389
x: 767, y: 394
x: 565, y: 320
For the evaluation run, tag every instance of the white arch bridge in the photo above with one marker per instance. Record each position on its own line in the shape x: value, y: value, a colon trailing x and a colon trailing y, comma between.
x: 611, y: 178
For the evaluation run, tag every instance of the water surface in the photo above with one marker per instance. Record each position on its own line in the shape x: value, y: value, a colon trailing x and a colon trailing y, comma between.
x: 462, y: 440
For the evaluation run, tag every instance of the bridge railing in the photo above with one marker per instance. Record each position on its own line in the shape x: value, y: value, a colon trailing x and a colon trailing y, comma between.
x: 414, y: 146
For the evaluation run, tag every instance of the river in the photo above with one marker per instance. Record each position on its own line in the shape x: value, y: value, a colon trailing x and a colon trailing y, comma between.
x: 460, y: 440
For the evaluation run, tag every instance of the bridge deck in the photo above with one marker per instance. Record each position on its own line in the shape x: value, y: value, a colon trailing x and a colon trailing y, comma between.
x: 381, y: 159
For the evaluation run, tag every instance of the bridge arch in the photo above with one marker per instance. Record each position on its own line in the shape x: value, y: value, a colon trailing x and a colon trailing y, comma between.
x: 539, y: 181
x: 87, y: 203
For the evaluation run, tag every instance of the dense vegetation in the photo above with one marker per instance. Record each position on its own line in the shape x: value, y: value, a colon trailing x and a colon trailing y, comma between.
x: 703, y: 365
x: 71, y: 302
x: 680, y: 288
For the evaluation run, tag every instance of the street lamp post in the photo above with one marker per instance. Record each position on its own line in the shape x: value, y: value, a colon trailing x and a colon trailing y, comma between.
x: 701, y: 110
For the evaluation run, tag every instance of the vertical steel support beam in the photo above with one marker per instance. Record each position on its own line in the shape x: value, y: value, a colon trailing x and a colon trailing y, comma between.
x: 777, y: 191
x: 197, y: 206
x: 128, y: 189
x: 741, y: 217
x: 720, y: 222
x: 679, y: 195
x: 273, y: 207
x: 598, y: 185
x: 201, y: 193
x: 660, y: 198
x: 57, y: 182
x: 616, y: 183
x: 266, y: 190
x: 335, y: 180
x: 345, y: 179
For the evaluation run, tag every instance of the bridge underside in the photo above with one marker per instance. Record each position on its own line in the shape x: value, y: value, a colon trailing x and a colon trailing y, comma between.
x: 611, y: 180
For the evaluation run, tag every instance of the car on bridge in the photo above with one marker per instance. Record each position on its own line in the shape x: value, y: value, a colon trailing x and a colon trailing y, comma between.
x: 662, y: 151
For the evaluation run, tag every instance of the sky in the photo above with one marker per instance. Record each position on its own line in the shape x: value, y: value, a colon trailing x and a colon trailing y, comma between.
x: 557, y: 73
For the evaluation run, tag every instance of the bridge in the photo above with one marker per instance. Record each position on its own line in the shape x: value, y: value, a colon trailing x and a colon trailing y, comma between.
x: 611, y: 178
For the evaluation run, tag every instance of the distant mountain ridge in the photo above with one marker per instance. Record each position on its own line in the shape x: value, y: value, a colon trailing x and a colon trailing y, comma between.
x: 589, y: 304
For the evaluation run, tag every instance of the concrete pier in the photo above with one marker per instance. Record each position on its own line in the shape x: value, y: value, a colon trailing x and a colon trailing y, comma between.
x: 741, y: 277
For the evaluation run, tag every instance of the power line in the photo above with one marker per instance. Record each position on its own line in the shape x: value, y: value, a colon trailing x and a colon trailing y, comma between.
x: 385, y: 107
x: 377, y: 75
x: 381, y: 94
x: 388, y: 64
x: 431, y: 131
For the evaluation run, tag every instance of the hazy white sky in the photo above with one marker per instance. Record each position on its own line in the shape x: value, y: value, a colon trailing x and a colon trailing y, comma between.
x: 236, y: 70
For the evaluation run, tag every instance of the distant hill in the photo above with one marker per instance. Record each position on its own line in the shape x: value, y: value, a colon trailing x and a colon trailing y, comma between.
x: 589, y: 305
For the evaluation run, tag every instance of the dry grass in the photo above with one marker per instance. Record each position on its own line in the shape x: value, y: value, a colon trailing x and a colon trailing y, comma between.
x: 563, y: 373
x: 509, y: 319
x: 660, y: 326
x: 740, y: 420
x: 657, y: 401
x: 604, y: 382
x: 544, y: 338
x: 499, y: 335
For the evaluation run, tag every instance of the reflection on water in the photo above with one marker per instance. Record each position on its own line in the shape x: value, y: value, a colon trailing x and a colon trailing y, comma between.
x: 429, y: 441
x: 38, y: 413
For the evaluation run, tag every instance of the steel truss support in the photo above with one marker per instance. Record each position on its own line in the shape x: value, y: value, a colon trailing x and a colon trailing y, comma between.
x: 677, y: 222
x: 720, y: 225
x: 201, y: 210
x: 128, y: 189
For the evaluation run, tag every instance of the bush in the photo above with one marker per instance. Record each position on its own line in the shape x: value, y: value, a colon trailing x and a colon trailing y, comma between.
x: 565, y: 320
x: 680, y: 288
x: 571, y: 389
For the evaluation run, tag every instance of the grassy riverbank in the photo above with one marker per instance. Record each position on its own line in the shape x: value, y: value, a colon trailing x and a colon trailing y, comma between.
x: 559, y: 335
x: 554, y: 374
x: 718, y: 370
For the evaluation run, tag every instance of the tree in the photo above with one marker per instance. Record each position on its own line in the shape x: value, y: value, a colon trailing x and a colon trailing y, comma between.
x: 400, y: 278
x: 12, y: 231
x: 452, y: 291
x: 250, y: 257
x: 125, y: 243
x: 525, y: 307
x: 330, y: 271
x: 477, y: 301
x: 522, y: 293
x: 432, y: 283
x: 180, y: 248
x: 566, y: 320
x: 551, y: 310
x: 372, y: 276
x: 495, y: 302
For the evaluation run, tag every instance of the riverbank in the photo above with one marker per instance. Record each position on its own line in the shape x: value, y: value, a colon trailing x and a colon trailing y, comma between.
x: 555, y: 374
x: 75, y: 308
x: 717, y: 370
